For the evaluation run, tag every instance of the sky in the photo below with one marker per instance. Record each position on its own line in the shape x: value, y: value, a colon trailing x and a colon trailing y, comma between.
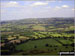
x: 15, y: 10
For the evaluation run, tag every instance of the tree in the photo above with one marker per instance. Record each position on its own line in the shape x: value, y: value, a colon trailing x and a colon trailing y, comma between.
x: 6, y: 40
x: 46, y: 45
x: 72, y: 44
x: 35, y: 46
x: 17, y: 37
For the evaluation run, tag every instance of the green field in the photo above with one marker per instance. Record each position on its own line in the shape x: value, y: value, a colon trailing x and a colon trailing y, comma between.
x: 66, y: 41
x: 39, y: 43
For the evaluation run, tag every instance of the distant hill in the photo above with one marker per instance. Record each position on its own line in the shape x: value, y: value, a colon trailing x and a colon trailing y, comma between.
x: 40, y: 21
x: 39, y: 24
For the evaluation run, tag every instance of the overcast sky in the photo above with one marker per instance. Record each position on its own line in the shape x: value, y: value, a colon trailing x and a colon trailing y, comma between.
x: 11, y: 10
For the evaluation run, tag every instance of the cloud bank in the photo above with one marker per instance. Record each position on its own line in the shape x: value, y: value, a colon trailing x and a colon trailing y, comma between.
x: 12, y: 10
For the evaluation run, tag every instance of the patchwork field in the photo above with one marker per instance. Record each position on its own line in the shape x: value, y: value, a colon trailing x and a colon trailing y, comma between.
x: 48, y: 36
